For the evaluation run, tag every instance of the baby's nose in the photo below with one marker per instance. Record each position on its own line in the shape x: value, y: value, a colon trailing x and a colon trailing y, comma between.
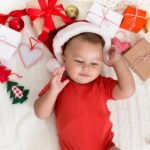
x: 86, y: 67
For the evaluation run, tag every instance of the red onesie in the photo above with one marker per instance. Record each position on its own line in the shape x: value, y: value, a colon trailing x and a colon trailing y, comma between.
x: 82, y: 116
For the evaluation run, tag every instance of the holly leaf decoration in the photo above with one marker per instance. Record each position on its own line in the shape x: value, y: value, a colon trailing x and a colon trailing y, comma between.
x: 4, y: 74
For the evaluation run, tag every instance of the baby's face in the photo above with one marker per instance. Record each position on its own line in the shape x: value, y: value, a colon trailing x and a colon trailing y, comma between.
x: 83, y: 60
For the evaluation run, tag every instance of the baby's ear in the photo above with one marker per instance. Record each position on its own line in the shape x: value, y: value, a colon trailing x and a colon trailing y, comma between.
x: 63, y: 58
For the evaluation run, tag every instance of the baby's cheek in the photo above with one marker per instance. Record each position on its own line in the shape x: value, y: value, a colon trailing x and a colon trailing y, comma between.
x: 97, y: 70
x: 72, y: 70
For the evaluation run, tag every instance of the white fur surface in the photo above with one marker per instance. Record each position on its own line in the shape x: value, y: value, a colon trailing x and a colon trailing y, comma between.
x: 21, y: 130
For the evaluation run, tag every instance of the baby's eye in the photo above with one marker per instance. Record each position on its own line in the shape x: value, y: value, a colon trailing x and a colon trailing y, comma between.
x: 94, y: 64
x: 79, y: 61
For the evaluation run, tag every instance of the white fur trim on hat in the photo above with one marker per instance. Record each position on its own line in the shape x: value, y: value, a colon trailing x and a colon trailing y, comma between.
x: 74, y: 29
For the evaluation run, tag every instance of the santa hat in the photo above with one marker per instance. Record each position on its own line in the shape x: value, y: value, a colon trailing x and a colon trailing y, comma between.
x: 67, y: 33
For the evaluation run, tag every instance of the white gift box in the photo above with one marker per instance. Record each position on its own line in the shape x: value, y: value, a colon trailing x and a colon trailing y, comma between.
x: 9, y: 42
x: 105, y: 18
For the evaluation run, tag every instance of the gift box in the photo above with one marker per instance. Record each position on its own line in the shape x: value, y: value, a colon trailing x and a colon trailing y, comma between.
x: 46, y: 16
x: 138, y: 58
x: 9, y: 42
x: 108, y: 20
x: 134, y: 19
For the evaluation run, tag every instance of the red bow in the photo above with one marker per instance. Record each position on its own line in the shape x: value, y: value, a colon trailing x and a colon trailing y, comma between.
x: 46, y: 12
x: 16, y: 13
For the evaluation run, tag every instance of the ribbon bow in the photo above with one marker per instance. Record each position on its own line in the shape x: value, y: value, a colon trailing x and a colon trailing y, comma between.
x: 46, y: 11
x: 16, y: 13
x: 104, y: 17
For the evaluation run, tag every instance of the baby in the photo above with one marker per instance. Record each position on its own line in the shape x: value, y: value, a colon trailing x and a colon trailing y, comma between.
x: 77, y: 91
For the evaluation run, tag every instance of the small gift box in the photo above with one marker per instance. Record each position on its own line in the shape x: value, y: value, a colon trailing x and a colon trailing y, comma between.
x: 108, y: 20
x: 134, y: 19
x: 9, y: 42
x: 138, y: 58
x: 46, y: 16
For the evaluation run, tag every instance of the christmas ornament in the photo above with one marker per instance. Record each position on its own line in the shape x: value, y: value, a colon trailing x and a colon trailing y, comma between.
x: 4, y: 74
x: 17, y: 93
x: 72, y: 11
x: 30, y: 54
x: 16, y: 23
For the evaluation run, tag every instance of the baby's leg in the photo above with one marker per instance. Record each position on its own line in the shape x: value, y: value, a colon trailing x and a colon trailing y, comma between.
x: 114, y: 148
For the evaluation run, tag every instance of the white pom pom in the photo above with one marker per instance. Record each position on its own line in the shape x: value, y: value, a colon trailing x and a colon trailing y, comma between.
x: 52, y: 64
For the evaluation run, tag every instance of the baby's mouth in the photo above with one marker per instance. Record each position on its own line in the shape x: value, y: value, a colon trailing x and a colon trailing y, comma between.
x: 84, y: 75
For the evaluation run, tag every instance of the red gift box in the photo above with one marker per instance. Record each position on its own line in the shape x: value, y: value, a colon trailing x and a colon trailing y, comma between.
x: 47, y: 16
x: 134, y: 19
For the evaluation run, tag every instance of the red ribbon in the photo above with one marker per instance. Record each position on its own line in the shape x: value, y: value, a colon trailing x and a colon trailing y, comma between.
x: 47, y: 11
x: 16, y: 13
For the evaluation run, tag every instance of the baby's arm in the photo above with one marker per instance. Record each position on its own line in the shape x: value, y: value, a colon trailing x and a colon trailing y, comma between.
x: 125, y: 87
x: 44, y: 105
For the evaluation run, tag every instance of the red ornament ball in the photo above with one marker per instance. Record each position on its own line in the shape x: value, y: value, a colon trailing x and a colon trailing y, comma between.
x: 16, y: 23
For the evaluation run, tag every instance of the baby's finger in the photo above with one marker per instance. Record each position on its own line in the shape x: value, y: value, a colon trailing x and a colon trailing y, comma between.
x: 105, y: 59
x: 57, y: 71
x: 61, y: 70
x: 115, y: 49
x: 112, y: 50
x: 56, y: 78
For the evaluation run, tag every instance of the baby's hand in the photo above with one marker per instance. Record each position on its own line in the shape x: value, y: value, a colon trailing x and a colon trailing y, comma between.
x: 56, y: 84
x: 114, y: 56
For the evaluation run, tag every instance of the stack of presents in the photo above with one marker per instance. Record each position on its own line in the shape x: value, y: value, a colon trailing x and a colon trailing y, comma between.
x: 47, y: 16
x: 133, y: 20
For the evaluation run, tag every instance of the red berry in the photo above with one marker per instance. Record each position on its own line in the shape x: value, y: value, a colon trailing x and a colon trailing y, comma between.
x: 16, y: 24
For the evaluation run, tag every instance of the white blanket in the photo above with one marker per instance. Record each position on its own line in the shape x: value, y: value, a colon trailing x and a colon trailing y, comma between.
x: 21, y: 130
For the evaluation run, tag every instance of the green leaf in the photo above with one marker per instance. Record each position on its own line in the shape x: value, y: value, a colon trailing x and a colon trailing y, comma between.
x: 10, y: 84
x: 21, y: 88
x: 12, y: 94
x: 15, y: 101
x: 25, y: 92
x: 23, y: 100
